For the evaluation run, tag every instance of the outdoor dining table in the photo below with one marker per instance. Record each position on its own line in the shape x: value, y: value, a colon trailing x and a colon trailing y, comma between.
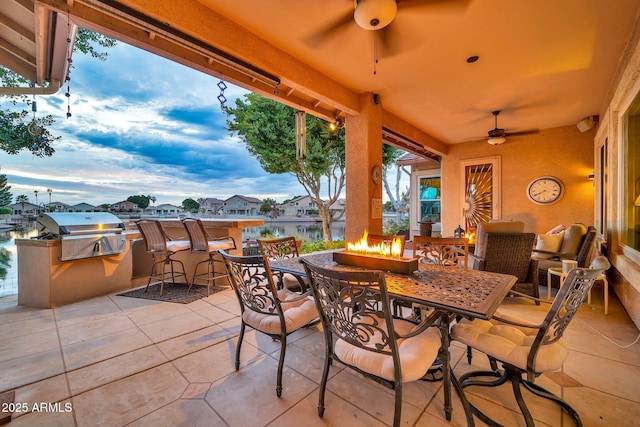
x: 456, y: 292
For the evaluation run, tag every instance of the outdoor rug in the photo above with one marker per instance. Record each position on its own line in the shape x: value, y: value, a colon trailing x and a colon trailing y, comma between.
x: 172, y: 293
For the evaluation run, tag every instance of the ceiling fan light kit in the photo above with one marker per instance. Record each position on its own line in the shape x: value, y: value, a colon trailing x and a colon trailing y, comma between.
x: 375, y: 14
x: 496, y: 140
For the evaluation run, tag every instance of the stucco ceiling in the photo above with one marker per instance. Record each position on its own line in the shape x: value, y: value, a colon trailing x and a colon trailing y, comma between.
x: 544, y: 63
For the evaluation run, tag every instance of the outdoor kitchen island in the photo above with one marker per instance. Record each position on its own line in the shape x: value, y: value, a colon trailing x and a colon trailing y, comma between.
x: 45, y: 281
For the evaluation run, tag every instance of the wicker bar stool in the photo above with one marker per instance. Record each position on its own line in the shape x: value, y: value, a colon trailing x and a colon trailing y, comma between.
x: 161, y: 248
x: 202, y: 243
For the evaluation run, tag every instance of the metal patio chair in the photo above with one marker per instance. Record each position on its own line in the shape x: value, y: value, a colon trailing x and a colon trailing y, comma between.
x: 354, y: 310
x: 525, y: 348
x: 264, y: 308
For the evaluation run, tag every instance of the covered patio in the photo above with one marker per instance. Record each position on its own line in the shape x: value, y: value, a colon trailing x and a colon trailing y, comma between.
x: 415, y: 85
x: 119, y: 361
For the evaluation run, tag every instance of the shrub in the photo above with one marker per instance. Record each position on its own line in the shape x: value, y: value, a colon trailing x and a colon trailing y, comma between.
x: 392, y: 227
x: 320, y: 245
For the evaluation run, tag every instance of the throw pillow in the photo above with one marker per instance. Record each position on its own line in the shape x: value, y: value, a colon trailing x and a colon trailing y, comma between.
x: 548, y: 242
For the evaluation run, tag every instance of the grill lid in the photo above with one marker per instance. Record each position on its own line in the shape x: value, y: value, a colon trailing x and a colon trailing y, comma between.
x: 80, y: 222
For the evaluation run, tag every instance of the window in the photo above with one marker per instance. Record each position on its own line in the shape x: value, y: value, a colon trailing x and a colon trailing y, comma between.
x: 426, y: 196
x: 630, y: 171
x: 429, y: 188
x: 602, y: 191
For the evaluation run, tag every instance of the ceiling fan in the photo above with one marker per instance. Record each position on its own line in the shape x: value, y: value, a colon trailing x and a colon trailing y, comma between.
x: 497, y: 136
x: 373, y: 15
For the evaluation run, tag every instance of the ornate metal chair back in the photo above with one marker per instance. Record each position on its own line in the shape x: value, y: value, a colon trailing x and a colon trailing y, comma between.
x: 565, y: 306
x: 445, y: 252
x: 253, y: 283
x: 277, y: 249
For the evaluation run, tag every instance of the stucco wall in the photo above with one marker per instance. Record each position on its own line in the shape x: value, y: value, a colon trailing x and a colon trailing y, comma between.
x: 564, y: 152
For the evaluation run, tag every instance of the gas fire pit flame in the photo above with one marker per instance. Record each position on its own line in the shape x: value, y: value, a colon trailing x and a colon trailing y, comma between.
x: 392, y: 250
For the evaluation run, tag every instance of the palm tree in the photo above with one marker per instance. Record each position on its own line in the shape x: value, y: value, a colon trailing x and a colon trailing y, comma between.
x: 22, y: 199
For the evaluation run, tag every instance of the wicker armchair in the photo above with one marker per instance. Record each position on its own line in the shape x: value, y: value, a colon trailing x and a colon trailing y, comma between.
x: 510, y: 253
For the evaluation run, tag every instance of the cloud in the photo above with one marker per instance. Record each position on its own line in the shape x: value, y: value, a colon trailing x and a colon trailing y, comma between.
x: 141, y: 124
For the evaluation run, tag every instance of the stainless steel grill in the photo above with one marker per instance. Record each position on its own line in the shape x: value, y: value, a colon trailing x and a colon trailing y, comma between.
x: 84, y: 234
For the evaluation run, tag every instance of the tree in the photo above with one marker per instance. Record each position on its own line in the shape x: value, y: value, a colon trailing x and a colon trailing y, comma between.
x: 22, y: 199
x: 16, y: 132
x: 399, y: 200
x: 5, y: 194
x: 190, y: 205
x: 270, y: 208
x: 201, y: 201
x: 141, y: 201
x: 268, y: 130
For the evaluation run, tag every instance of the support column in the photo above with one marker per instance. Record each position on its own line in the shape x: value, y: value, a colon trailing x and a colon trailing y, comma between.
x: 363, y: 153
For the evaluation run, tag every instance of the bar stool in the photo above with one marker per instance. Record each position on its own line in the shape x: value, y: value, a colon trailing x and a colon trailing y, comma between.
x: 202, y: 243
x: 161, y: 248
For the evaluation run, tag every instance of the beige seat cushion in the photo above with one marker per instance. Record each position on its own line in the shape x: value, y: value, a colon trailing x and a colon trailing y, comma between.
x: 416, y: 353
x: 296, y: 314
x: 573, y: 237
x: 548, y: 242
x: 510, y: 344
x: 214, y: 245
x: 178, y: 245
x: 494, y: 227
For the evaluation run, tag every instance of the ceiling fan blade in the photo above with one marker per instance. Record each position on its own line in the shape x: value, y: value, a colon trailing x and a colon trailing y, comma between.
x: 390, y: 43
x: 333, y: 29
x: 523, y: 132
x: 440, y: 5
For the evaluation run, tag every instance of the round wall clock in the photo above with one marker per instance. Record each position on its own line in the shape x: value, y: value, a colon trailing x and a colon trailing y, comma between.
x: 545, y: 190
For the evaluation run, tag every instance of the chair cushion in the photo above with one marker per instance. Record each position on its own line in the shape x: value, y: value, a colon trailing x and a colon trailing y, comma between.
x: 557, y: 229
x: 292, y: 284
x: 296, y: 314
x: 494, y: 227
x: 416, y: 353
x: 573, y: 237
x: 548, y: 242
x: 214, y: 245
x: 510, y: 344
x: 178, y: 245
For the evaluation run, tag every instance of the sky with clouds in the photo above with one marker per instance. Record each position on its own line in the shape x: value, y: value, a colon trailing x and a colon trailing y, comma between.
x: 141, y: 124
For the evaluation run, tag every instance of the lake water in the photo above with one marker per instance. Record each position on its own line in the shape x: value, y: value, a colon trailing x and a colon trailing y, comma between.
x: 309, y: 231
x: 9, y: 257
